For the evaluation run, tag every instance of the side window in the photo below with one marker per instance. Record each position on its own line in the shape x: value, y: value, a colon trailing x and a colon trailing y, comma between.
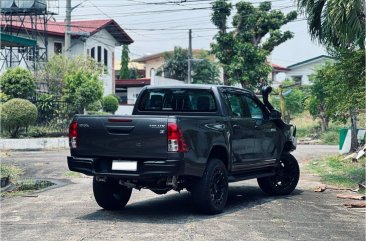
x: 99, y: 57
x: 237, y: 105
x: 105, y: 57
x: 255, y: 111
x: 92, y: 53
x: 57, y: 48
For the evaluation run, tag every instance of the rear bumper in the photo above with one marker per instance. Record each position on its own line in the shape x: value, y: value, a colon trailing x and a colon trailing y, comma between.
x: 145, y: 169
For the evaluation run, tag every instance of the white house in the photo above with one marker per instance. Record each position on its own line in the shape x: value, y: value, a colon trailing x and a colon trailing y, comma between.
x: 95, y: 38
x: 301, y: 71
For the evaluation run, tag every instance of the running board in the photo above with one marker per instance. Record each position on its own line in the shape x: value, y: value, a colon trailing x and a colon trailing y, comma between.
x: 242, y: 177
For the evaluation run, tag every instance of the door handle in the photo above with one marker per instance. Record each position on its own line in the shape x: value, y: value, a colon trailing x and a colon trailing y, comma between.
x: 236, y: 127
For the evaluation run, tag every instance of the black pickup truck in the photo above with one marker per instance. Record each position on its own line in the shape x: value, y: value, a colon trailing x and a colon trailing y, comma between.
x: 194, y: 137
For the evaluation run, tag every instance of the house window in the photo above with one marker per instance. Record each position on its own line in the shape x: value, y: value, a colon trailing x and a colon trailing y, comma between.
x: 99, y: 54
x: 106, y: 57
x: 57, y: 48
x: 297, y: 79
x: 92, y: 54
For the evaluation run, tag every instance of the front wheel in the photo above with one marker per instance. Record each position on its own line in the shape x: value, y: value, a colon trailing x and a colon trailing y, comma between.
x: 286, y: 178
x: 110, y: 195
x: 210, y: 192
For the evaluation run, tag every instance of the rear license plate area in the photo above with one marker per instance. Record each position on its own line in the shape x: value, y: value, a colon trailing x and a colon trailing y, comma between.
x: 120, y: 165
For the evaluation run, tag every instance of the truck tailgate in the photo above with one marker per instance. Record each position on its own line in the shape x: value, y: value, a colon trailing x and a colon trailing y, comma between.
x: 128, y: 137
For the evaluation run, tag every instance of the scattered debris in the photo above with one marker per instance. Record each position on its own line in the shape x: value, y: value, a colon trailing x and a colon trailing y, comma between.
x: 351, y: 196
x: 350, y: 156
x: 324, y: 187
x: 320, y: 189
x: 356, y: 155
x: 356, y: 205
x: 29, y: 195
x: 361, y: 186
x: 361, y: 152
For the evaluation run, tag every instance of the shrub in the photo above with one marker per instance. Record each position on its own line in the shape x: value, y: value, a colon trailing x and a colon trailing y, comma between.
x: 98, y: 113
x: 16, y: 114
x: 46, y: 108
x: 3, y: 97
x: 110, y: 104
x: 18, y: 83
x: 96, y: 106
x: 37, y: 131
x: 330, y: 137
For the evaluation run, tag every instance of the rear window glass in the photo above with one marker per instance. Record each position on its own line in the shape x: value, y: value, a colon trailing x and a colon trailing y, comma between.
x: 177, y: 100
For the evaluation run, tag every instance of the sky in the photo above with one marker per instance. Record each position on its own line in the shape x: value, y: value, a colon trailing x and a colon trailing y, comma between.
x: 159, y: 25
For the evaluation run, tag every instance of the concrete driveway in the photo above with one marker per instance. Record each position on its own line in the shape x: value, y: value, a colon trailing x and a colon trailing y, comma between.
x: 69, y: 212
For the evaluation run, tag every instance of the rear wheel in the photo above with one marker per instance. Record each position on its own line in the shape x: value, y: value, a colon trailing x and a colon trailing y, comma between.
x: 210, y: 192
x: 286, y: 178
x: 110, y: 195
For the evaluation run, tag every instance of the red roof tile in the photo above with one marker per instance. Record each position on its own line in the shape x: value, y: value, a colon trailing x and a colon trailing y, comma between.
x: 278, y: 67
x: 88, y: 26
x: 133, y: 82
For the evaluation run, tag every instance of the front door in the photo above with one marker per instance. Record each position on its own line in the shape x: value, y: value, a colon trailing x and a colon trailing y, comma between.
x: 266, y: 132
x: 243, y: 137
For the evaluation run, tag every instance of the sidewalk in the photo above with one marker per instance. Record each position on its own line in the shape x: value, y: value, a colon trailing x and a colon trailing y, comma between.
x: 34, y: 144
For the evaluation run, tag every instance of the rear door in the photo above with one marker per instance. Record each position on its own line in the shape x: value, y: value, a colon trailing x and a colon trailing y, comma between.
x: 123, y: 136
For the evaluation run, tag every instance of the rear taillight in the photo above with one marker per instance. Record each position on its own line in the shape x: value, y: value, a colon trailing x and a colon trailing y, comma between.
x: 176, y: 142
x: 73, y: 134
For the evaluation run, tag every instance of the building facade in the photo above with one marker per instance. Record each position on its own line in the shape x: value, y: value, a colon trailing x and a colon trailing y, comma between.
x: 300, y: 72
x: 95, y: 38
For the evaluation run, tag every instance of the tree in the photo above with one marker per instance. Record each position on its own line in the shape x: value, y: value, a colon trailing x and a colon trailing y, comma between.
x: 243, y: 52
x: 336, y: 23
x: 347, y: 90
x: 204, y: 71
x: 124, y: 72
x: 81, y: 90
x: 55, y: 70
x: 133, y: 73
x: 340, y: 26
x: 18, y: 83
x: 293, y: 100
x: 316, y: 103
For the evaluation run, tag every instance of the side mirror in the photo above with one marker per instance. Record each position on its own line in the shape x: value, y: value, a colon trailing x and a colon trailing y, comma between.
x: 275, y: 115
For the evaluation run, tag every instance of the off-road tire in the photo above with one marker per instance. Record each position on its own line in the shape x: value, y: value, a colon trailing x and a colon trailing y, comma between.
x: 286, y: 178
x: 110, y: 195
x: 210, y: 192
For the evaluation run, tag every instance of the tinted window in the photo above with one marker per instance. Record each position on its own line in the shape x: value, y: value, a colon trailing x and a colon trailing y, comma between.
x: 237, y: 105
x: 177, y: 100
x: 255, y: 111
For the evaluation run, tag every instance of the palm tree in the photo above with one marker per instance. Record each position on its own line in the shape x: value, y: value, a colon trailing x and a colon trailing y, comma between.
x: 337, y: 23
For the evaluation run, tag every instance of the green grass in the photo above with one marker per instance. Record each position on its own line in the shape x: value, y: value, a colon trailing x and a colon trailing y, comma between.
x: 27, y: 186
x: 330, y: 137
x: 335, y: 171
x: 72, y: 174
x: 305, y: 125
x: 9, y: 170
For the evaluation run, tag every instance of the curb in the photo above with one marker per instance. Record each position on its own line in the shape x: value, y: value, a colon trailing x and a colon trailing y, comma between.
x: 33, y: 144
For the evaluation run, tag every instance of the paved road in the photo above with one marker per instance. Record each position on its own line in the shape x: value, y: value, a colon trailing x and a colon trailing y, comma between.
x: 70, y: 212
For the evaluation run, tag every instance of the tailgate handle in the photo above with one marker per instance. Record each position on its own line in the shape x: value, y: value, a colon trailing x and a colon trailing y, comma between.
x: 120, y: 130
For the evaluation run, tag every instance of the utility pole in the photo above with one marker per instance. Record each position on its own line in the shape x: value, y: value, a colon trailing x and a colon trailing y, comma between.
x: 189, y: 57
x: 68, y: 28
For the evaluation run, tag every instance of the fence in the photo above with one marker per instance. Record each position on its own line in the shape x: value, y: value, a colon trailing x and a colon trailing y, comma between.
x: 53, y: 117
